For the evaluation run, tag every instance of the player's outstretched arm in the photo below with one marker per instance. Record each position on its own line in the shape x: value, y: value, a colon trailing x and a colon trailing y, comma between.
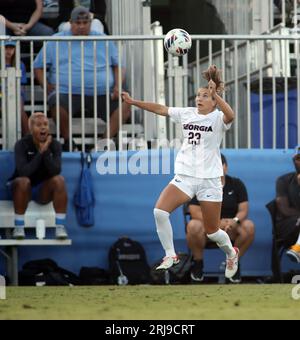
x: 222, y: 104
x: 159, y: 109
x: 225, y: 108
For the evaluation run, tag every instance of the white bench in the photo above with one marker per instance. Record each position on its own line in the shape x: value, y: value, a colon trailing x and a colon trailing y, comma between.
x: 33, y: 212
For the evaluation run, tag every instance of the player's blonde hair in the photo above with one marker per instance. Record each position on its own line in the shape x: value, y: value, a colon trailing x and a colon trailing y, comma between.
x: 214, y: 74
x: 33, y: 117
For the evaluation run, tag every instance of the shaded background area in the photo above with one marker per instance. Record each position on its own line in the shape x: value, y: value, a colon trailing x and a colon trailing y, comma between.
x: 194, y: 16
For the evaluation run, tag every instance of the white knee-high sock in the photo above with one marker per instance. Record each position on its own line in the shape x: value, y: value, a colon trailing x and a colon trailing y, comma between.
x: 164, y: 231
x: 223, y: 242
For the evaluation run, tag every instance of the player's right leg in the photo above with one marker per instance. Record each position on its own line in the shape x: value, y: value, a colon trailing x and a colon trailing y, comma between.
x: 173, y: 196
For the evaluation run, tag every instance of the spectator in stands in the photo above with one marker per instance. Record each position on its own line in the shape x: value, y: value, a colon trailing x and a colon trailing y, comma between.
x: 81, y: 25
x: 233, y: 220
x: 289, y: 8
x: 37, y: 175
x: 288, y: 209
x: 97, y: 9
x: 23, y: 17
x: 289, y: 5
x: 10, y: 61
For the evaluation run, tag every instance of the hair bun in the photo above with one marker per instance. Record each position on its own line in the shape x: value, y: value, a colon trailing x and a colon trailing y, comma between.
x: 214, y: 74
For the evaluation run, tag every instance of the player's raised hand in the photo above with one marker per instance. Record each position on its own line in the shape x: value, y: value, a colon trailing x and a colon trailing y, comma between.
x: 212, y: 88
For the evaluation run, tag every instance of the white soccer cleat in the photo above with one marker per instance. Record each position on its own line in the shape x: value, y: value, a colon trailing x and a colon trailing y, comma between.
x: 168, y: 262
x: 232, y: 264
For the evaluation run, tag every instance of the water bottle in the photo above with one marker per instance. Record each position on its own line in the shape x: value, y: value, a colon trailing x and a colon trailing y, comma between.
x: 2, y: 288
x: 221, y: 279
x: 122, y: 280
x: 40, y: 229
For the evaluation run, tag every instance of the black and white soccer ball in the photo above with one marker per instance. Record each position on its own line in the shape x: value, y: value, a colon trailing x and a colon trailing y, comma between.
x: 177, y: 42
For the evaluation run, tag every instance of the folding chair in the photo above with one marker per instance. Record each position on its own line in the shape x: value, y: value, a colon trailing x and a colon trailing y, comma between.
x: 278, y: 246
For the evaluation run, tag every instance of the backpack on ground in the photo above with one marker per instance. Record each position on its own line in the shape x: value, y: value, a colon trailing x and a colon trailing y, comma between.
x: 128, y: 263
x: 46, y: 272
x: 93, y: 276
x: 180, y: 273
x: 84, y: 198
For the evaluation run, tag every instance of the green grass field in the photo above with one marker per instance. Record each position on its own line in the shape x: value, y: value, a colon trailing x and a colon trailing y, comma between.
x: 188, y: 302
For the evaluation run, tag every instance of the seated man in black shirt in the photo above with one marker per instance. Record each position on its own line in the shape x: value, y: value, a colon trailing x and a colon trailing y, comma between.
x: 233, y: 220
x: 37, y: 175
x: 288, y: 209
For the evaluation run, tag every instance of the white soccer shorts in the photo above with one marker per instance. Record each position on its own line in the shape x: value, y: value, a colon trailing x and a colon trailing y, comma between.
x: 205, y: 189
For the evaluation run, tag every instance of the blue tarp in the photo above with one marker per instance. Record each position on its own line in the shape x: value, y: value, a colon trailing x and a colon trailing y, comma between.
x: 268, y: 119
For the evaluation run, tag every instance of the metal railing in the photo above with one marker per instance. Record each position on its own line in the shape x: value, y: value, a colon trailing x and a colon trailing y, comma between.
x: 264, y: 117
x: 257, y: 70
x: 38, y: 97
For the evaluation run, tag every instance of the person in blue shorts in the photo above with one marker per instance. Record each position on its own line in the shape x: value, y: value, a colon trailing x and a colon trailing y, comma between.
x: 81, y: 26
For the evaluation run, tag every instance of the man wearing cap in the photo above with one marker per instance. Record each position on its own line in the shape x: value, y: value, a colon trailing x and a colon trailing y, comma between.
x: 288, y: 209
x: 97, y: 9
x: 233, y: 220
x: 81, y: 26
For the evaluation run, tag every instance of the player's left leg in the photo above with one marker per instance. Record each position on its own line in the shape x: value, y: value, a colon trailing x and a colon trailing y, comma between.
x: 242, y: 237
x: 211, y: 217
x: 210, y: 197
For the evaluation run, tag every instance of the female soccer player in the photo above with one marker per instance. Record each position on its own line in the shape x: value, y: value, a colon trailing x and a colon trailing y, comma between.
x: 198, y: 167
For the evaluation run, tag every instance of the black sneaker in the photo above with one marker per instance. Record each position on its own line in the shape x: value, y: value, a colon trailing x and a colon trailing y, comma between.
x: 197, y: 271
x: 236, y: 277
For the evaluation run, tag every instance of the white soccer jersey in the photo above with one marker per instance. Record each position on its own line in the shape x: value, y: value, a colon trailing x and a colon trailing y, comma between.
x: 199, y: 155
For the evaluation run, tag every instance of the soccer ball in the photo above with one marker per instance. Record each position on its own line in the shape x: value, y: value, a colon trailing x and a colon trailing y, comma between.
x: 177, y: 42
